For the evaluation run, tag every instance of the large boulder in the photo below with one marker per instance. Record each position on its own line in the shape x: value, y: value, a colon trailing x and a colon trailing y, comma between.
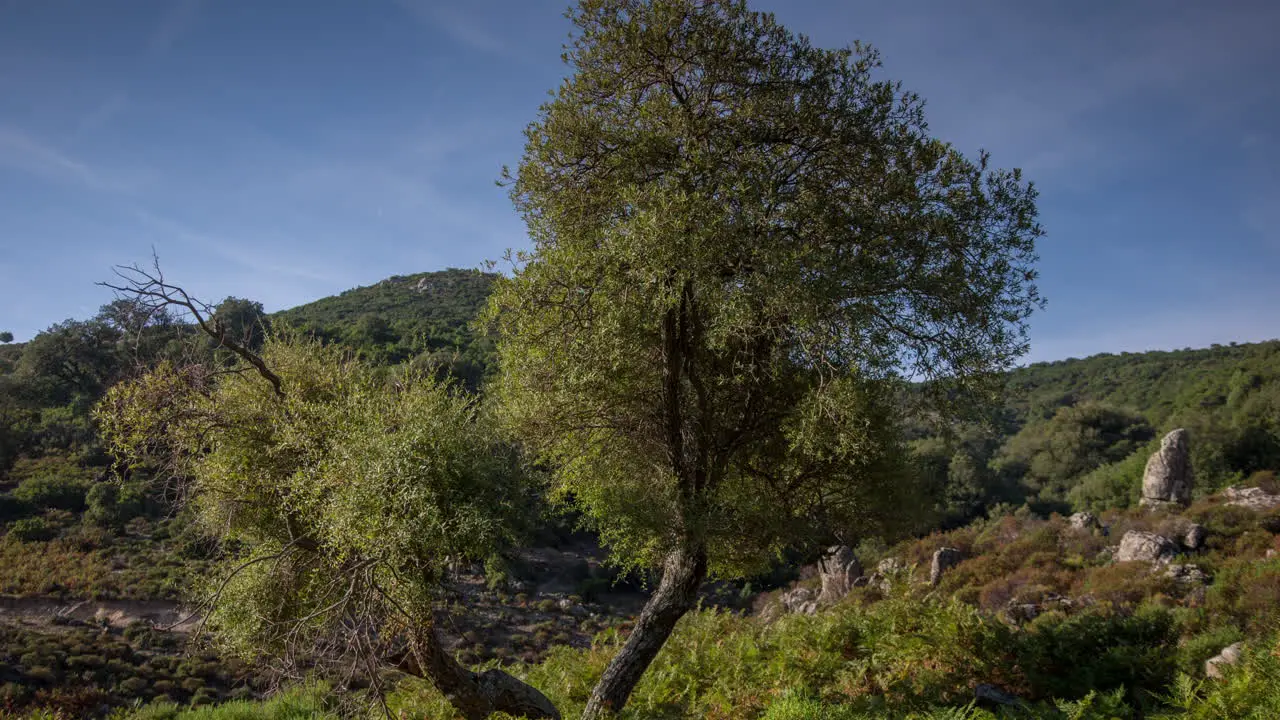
x: 1230, y: 655
x: 1140, y: 546
x: 943, y: 560
x: 1167, y: 478
x: 1252, y: 498
x: 838, y: 569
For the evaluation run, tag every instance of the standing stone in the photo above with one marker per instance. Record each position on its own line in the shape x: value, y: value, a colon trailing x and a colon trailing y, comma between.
x: 943, y: 560
x: 1167, y: 479
x: 1137, y: 545
x: 838, y: 569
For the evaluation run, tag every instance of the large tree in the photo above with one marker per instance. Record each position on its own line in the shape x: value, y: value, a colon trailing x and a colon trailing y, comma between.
x: 742, y: 245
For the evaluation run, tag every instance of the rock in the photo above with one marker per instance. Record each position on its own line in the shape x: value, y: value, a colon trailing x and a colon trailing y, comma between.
x: 1020, y: 613
x: 1085, y: 521
x: 890, y: 565
x: 887, y: 570
x: 1252, y: 498
x: 986, y: 693
x: 838, y: 569
x: 943, y: 560
x: 1137, y: 545
x: 1194, y: 537
x: 1230, y: 655
x: 1167, y: 478
x: 801, y: 601
x: 1271, y: 552
x: 1190, y: 574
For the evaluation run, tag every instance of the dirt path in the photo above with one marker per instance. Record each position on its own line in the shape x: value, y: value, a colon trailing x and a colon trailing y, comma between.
x: 117, y: 613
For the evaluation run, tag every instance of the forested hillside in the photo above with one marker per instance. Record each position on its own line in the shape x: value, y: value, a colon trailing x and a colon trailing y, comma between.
x: 1075, y: 434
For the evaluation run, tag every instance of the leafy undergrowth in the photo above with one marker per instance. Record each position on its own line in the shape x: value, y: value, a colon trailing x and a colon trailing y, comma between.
x: 895, y: 659
x: 1101, y: 639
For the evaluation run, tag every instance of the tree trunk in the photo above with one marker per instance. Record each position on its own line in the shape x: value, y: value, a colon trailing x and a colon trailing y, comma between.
x: 682, y: 575
x: 476, y: 696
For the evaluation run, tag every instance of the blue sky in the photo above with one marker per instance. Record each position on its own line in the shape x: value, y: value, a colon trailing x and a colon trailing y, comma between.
x: 286, y: 150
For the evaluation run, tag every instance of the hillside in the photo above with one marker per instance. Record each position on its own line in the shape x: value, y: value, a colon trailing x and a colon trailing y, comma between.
x: 423, y: 317
x: 1070, y: 435
x: 1157, y: 384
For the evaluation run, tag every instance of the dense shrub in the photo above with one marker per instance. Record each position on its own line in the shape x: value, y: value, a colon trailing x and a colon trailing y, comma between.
x: 35, y: 529
x: 60, y: 492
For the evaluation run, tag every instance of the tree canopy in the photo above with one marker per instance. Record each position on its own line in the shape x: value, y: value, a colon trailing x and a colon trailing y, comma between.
x: 742, y: 245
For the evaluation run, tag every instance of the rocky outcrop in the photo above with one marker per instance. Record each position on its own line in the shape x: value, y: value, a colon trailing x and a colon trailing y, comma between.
x: 1139, y: 546
x: 1194, y: 537
x: 1167, y: 478
x: 1230, y: 655
x: 838, y: 569
x: 1252, y: 498
x: 943, y: 560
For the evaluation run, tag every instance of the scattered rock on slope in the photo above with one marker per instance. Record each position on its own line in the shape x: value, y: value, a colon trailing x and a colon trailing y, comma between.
x: 801, y: 601
x: 1167, y: 478
x: 943, y: 560
x: 1230, y: 655
x: 1085, y: 521
x: 1252, y: 498
x: 1189, y: 574
x: 838, y: 569
x: 1194, y: 538
x: 1137, y: 545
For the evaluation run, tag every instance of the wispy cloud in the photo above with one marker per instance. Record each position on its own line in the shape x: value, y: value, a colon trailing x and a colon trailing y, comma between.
x: 177, y: 19
x: 462, y: 28
x: 258, y: 257
x: 101, y: 114
x: 21, y: 151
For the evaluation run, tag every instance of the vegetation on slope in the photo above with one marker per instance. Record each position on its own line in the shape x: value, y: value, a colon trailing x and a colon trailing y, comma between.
x: 423, y: 320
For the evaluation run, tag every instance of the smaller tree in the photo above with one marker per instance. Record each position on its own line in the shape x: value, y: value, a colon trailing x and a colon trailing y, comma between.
x: 6, y: 337
x: 340, y: 496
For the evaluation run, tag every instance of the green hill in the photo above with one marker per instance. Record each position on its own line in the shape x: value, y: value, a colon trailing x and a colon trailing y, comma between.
x: 423, y: 318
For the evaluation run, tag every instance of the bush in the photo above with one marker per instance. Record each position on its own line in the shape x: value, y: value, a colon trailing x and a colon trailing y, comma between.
x: 1067, y: 657
x: 110, y: 505
x: 62, y: 492
x: 35, y: 529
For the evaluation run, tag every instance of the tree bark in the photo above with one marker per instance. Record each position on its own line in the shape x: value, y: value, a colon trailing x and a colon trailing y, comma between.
x: 475, y: 696
x: 676, y: 595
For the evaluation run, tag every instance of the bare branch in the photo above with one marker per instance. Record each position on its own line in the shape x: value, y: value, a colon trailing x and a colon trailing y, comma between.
x: 150, y: 290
